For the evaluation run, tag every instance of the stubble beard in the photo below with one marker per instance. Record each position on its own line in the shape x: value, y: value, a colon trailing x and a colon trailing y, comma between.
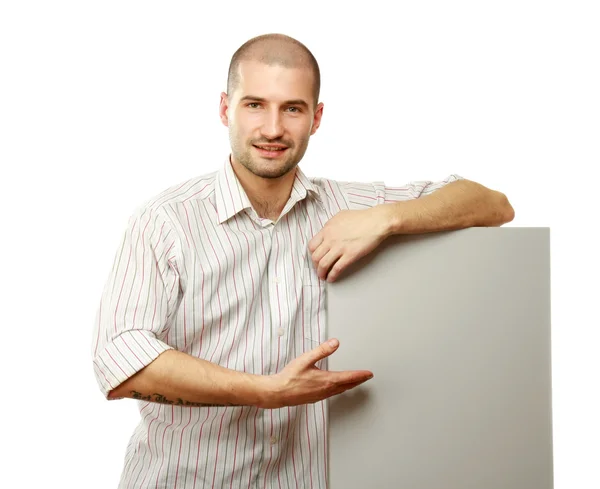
x: 253, y: 163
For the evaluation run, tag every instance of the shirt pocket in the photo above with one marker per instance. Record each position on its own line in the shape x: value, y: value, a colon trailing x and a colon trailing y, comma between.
x: 313, y: 307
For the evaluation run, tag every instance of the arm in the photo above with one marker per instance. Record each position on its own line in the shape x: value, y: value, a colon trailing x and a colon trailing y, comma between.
x: 180, y: 379
x: 457, y: 205
x: 352, y: 234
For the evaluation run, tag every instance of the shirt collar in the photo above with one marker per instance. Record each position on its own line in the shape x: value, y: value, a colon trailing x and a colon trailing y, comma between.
x: 231, y: 198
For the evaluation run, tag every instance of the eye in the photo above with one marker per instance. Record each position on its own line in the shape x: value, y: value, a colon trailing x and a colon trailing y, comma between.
x: 294, y: 109
x: 253, y: 105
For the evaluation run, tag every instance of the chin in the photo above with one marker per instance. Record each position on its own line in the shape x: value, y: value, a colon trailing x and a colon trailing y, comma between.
x: 269, y: 170
x: 274, y: 173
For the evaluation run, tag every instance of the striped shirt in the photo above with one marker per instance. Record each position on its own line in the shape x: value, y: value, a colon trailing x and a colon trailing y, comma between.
x: 199, y: 271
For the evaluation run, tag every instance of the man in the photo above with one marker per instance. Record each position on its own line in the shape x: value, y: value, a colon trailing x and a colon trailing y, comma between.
x: 213, y: 315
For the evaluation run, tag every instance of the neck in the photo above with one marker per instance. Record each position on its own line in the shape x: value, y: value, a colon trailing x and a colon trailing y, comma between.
x: 268, y: 196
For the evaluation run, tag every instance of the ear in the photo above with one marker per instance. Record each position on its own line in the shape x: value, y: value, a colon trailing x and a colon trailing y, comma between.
x: 317, y: 118
x: 223, y: 106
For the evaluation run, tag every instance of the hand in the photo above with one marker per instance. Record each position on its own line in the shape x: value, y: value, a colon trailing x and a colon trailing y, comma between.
x: 301, y: 382
x: 347, y: 237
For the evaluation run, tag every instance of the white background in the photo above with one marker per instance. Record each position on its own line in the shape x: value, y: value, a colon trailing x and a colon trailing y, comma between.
x: 105, y: 104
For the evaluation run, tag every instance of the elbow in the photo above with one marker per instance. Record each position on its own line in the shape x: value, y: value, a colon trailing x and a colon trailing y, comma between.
x: 113, y: 395
x: 123, y: 390
x: 504, y: 210
x: 507, y: 209
x: 498, y: 208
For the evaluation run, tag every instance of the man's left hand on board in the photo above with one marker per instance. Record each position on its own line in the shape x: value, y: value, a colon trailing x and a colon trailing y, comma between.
x: 347, y: 237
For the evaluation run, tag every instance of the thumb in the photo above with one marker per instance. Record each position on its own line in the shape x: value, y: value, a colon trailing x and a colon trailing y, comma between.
x: 320, y: 352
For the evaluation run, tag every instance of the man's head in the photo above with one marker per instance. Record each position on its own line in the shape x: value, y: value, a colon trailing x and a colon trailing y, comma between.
x: 271, y: 102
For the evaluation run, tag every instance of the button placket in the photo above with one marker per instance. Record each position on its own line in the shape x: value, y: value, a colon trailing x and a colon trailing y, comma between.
x: 279, y: 263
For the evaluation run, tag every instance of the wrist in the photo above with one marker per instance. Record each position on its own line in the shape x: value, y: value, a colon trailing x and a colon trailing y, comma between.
x: 390, y: 219
x: 265, y: 392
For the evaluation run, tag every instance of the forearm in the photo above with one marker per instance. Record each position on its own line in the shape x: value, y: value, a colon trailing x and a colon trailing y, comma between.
x: 458, y: 205
x: 177, y: 378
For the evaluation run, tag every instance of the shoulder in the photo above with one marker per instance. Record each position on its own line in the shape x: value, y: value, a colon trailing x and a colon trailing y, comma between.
x: 348, y: 194
x: 196, y: 188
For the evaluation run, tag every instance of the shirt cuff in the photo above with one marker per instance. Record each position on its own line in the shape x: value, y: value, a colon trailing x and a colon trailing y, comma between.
x: 124, y: 356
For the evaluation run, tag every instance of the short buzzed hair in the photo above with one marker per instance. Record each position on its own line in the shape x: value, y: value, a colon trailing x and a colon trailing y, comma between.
x: 275, y: 49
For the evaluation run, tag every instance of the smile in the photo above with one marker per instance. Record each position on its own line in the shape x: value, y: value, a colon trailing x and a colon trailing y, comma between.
x: 270, y: 151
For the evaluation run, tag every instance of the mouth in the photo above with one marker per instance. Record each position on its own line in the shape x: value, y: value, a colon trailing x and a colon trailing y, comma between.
x: 270, y: 150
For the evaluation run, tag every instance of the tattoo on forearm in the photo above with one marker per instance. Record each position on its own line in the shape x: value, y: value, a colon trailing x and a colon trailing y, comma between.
x: 178, y: 402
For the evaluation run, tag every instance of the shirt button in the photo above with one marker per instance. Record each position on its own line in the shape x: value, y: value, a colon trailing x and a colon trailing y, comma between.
x: 273, y: 440
x: 280, y: 331
x: 277, y: 280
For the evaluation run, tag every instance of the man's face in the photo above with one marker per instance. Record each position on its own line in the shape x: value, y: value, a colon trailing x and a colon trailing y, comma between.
x: 270, y: 117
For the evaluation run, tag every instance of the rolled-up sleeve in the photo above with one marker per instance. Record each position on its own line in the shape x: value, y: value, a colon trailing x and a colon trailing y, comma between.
x: 362, y: 195
x: 138, y: 300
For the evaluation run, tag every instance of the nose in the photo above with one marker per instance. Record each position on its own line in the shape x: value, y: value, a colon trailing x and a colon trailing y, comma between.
x: 272, y: 127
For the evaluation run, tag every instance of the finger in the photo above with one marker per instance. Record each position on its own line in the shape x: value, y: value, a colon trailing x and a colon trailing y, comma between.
x: 340, y: 389
x: 315, y: 242
x: 349, y: 376
x: 326, y: 262
x: 347, y: 387
x: 338, y: 267
x: 320, y: 252
x: 320, y: 352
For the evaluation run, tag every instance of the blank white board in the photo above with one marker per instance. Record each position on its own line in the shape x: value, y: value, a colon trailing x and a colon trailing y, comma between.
x: 456, y: 328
